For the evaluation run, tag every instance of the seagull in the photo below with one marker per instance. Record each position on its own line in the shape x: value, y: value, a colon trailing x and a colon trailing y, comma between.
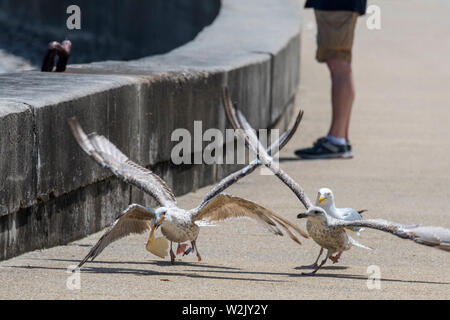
x: 328, y: 232
x: 177, y: 225
x: 325, y: 200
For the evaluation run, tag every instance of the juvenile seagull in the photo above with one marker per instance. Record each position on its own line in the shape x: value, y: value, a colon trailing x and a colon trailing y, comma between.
x: 325, y: 200
x: 328, y: 232
x: 177, y: 225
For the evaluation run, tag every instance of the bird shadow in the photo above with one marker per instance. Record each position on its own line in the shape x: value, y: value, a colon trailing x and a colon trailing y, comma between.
x: 324, y: 268
x: 89, y: 269
x: 326, y: 275
x: 208, y: 269
x: 162, y: 263
x: 364, y: 278
x: 79, y: 245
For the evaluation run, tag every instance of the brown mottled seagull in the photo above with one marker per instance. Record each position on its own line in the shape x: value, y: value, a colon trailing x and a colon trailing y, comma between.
x: 328, y: 232
x: 177, y: 225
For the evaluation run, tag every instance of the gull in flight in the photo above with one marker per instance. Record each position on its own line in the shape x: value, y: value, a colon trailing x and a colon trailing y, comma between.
x: 325, y: 200
x: 177, y: 225
x: 328, y: 232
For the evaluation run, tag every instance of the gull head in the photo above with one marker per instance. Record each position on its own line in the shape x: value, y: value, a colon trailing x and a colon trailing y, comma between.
x: 160, y: 216
x: 314, y: 213
x: 325, y: 197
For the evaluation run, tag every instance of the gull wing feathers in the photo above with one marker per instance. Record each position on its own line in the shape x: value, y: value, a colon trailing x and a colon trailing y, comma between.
x: 347, y: 214
x: 108, y: 156
x: 236, y: 176
x: 437, y: 237
x: 243, y: 129
x: 134, y: 220
x: 358, y: 244
x: 225, y: 207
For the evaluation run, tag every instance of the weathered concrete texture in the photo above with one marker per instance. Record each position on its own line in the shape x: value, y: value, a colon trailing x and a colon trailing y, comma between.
x: 62, y: 219
x: 18, y: 159
x: 53, y: 161
x: 138, y: 105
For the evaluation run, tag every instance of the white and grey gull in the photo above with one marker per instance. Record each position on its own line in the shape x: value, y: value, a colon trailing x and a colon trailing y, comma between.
x: 177, y: 225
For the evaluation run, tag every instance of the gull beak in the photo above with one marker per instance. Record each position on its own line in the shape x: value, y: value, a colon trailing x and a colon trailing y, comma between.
x: 158, y: 224
x: 154, y: 228
x: 321, y: 199
x: 302, y: 215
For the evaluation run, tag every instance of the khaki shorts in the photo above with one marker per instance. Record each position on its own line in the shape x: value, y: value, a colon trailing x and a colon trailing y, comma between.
x: 335, y: 33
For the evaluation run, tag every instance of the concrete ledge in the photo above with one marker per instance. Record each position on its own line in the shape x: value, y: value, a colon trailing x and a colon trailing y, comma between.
x: 53, y: 193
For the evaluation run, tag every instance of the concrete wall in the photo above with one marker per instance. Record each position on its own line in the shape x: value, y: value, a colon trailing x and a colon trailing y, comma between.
x: 110, y: 29
x: 52, y: 193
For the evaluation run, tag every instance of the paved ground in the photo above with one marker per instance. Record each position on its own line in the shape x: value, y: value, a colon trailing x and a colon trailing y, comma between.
x: 401, y: 172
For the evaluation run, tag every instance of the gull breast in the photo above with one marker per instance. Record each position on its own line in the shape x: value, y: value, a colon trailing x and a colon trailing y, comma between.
x: 330, y: 238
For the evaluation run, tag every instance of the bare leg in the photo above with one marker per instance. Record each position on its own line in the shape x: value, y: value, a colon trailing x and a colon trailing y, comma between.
x: 343, y: 95
x: 194, y: 245
x: 314, y: 265
x: 321, y: 264
x: 181, y: 249
x: 172, y: 254
x: 336, y: 258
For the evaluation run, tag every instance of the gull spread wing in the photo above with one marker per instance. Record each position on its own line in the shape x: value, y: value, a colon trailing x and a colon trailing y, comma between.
x: 244, y: 131
x: 437, y: 237
x: 236, y: 176
x: 108, y: 156
x: 134, y: 220
x: 225, y: 207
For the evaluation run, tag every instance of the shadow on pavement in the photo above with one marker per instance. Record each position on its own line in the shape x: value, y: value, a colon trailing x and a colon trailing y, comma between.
x: 196, y: 273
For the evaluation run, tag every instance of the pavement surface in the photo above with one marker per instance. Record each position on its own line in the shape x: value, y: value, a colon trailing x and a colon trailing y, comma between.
x: 401, y: 172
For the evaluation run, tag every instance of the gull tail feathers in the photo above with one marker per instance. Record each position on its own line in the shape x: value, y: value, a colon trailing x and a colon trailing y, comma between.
x: 356, y: 243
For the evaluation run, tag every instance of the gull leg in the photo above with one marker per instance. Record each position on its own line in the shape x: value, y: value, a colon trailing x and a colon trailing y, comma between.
x: 314, y: 265
x: 172, y: 255
x: 320, y: 266
x: 336, y: 258
x: 194, y: 245
x: 181, y: 248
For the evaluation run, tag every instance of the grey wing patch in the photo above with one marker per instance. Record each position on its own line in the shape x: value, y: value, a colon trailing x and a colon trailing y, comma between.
x: 134, y: 220
x: 437, y: 237
x: 350, y: 214
x: 225, y: 207
x: 107, y: 155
